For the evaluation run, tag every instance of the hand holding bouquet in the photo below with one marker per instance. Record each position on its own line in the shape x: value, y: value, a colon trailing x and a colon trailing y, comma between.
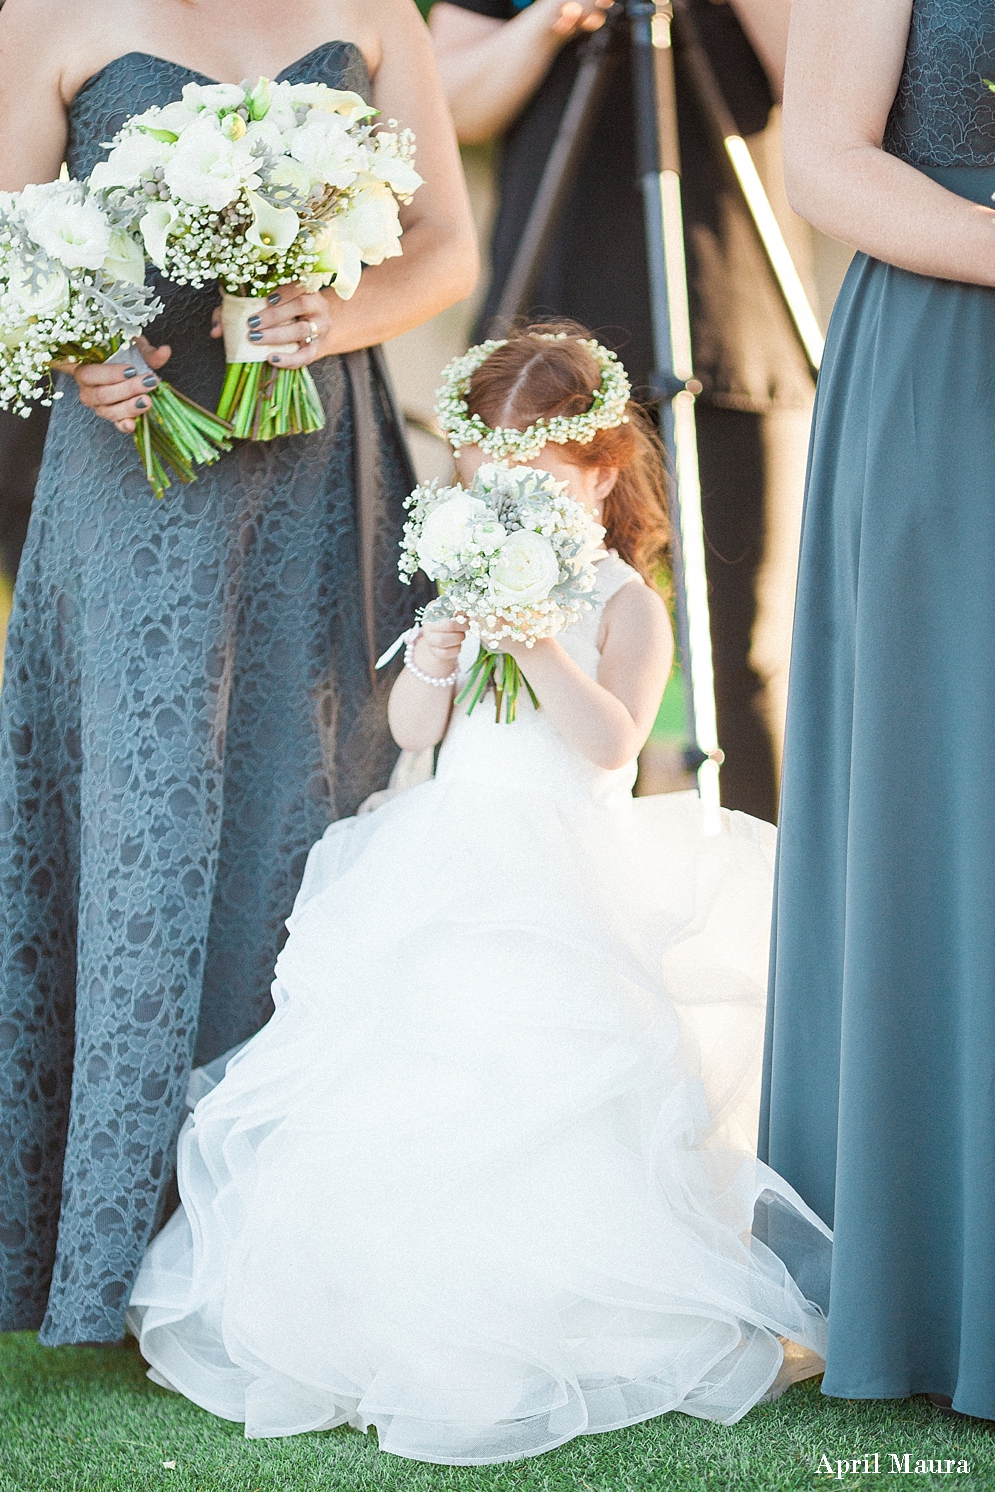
x: 279, y: 184
x: 513, y: 555
x: 72, y: 290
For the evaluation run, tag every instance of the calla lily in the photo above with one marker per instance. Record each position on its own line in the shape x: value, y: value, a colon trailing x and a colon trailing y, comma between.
x: 154, y: 228
x: 339, y: 262
x: 273, y: 229
x: 332, y: 100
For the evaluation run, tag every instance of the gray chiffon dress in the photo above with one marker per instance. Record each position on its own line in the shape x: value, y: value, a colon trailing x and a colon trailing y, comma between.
x: 187, y: 704
x: 879, y: 1102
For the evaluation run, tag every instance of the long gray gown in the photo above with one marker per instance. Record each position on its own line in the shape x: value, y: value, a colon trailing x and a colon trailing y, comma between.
x: 880, y: 1085
x: 187, y: 704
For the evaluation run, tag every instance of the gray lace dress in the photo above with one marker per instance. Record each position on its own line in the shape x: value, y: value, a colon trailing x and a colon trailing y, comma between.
x: 187, y: 703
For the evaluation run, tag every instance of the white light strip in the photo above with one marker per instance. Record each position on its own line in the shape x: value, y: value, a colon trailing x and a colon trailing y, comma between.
x: 777, y: 250
x: 689, y: 494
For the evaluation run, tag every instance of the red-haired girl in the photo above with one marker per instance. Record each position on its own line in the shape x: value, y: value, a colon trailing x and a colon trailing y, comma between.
x: 487, y: 1179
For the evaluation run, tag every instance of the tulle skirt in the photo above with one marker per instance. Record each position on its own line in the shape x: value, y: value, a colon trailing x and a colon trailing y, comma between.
x: 486, y: 1178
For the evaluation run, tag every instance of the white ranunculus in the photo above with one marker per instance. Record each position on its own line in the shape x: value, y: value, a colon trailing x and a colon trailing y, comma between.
x: 372, y: 223
x: 125, y: 260
x: 489, y: 535
x: 154, y: 227
x: 264, y: 133
x: 273, y: 229
x: 524, y: 569
x: 136, y: 157
x: 213, y: 97
x: 446, y: 532
x: 75, y: 233
x: 45, y: 293
x: 207, y: 170
x: 323, y: 144
x: 290, y: 176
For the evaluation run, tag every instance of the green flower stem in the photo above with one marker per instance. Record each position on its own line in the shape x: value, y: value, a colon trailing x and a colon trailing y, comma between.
x: 175, y: 435
x: 262, y: 402
x: 501, y: 671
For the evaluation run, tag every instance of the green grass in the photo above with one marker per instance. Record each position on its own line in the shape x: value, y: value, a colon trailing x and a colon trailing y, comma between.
x: 80, y: 1419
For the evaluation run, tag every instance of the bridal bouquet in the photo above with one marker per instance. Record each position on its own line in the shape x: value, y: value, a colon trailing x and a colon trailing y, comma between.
x: 259, y: 187
x: 72, y: 289
x: 512, y: 555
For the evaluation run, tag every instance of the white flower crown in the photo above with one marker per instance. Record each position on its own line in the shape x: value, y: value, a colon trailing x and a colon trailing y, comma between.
x: 607, y: 409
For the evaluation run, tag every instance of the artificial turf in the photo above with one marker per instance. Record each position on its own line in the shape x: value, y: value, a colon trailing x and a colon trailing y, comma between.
x: 83, y: 1419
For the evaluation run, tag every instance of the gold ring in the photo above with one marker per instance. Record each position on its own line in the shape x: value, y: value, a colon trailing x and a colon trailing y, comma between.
x: 314, y: 329
x: 307, y: 341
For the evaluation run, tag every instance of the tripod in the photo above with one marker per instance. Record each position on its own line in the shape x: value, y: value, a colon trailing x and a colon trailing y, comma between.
x: 652, y: 29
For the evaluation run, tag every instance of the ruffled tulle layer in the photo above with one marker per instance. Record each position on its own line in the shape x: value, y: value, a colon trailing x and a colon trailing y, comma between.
x: 484, y: 1180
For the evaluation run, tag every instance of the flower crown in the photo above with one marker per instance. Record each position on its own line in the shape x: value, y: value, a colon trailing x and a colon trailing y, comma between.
x: 607, y: 409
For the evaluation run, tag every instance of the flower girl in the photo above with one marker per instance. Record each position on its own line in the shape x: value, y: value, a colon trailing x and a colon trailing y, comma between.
x: 486, y: 1180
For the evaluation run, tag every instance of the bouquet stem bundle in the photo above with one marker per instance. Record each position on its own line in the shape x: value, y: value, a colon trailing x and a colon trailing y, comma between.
x: 500, y: 671
x: 260, y: 402
x: 175, y: 433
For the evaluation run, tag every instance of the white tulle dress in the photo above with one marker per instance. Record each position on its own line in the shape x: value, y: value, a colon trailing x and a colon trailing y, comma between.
x: 486, y: 1179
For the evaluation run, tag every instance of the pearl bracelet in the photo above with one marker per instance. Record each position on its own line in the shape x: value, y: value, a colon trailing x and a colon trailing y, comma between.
x: 412, y: 666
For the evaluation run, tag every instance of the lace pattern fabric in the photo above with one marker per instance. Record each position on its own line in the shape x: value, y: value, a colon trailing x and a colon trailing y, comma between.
x: 187, y: 705
x: 944, y: 112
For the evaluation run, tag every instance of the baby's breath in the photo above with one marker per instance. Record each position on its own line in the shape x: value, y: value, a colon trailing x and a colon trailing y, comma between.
x: 608, y: 407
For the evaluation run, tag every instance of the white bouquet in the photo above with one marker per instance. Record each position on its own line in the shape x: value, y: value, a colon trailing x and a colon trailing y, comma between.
x: 72, y: 289
x: 512, y: 555
x: 258, y: 187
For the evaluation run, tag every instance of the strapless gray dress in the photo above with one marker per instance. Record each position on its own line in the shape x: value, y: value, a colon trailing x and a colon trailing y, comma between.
x: 187, y: 703
x: 879, y: 1103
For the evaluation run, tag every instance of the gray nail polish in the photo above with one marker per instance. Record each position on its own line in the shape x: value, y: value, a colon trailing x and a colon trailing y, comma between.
x: 150, y: 381
x: 130, y: 372
x: 275, y: 358
x: 273, y: 299
x: 254, y: 321
x: 255, y: 336
x: 141, y: 403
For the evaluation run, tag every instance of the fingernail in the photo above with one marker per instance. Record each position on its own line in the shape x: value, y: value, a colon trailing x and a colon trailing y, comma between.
x: 275, y: 358
x: 273, y: 299
x: 141, y: 403
x: 254, y: 320
x: 255, y: 336
x: 150, y: 381
x: 130, y: 372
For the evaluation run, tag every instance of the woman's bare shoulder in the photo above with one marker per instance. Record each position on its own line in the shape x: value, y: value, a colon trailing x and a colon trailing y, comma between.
x: 49, y: 42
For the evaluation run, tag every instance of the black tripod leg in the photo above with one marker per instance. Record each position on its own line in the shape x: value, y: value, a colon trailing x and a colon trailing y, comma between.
x: 558, y: 176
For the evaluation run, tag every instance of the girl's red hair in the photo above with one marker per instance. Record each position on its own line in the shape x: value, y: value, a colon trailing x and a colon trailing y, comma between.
x: 531, y: 377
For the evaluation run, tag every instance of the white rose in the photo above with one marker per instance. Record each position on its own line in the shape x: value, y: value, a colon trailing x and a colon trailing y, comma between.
x: 213, y: 97
x: 323, y: 144
x: 75, y: 233
x: 208, y: 170
x: 447, y: 530
x: 45, y: 293
x: 524, y: 569
x: 136, y: 156
x: 125, y: 260
x: 371, y: 222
